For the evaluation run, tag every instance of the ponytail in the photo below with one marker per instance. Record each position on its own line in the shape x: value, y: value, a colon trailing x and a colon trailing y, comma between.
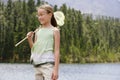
x: 53, y: 21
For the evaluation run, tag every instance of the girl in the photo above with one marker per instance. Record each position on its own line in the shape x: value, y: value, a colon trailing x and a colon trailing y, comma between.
x: 46, y: 46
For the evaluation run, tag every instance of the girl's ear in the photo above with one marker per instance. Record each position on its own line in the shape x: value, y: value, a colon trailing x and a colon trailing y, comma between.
x: 50, y: 14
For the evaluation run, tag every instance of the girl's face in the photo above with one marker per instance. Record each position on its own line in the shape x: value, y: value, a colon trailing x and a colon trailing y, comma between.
x: 44, y: 17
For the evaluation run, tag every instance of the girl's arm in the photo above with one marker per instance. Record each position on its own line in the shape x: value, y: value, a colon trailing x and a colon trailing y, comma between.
x: 56, y: 52
x: 30, y: 38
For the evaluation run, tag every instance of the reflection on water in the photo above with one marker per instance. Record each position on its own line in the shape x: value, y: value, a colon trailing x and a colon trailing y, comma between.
x: 67, y: 72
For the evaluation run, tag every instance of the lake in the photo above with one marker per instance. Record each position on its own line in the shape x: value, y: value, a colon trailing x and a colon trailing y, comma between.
x: 108, y: 71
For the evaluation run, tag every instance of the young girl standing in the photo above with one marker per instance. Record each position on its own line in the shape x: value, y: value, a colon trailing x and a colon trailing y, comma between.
x: 46, y: 46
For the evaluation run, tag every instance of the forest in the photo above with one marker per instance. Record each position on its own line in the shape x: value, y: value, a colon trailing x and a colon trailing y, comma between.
x: 85, y: 38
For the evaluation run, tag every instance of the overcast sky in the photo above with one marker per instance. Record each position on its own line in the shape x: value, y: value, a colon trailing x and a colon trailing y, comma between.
x: 97, y: 7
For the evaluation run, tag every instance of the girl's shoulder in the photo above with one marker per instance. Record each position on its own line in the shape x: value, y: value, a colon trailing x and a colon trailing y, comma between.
x: 36, y: 30
x: 56, y: 30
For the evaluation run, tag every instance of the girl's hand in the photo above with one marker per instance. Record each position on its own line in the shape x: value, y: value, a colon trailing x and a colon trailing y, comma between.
x: 54, y: 75
x: 30, y: 35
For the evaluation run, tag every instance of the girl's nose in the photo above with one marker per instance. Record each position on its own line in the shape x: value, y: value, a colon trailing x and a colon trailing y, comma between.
x: 37, y: 16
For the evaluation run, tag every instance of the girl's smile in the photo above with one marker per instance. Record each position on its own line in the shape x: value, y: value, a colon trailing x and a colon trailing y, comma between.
x: 44, y: 17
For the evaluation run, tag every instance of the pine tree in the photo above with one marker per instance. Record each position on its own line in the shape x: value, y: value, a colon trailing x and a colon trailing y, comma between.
x: 9, y: 43
x: 38, y: 2
x: 31, y: 6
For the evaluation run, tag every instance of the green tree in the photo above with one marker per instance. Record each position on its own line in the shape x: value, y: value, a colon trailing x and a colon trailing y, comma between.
x: 31, y: 6
x: 8, y: 49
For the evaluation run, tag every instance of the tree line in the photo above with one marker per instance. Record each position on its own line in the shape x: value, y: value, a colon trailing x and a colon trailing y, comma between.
x: 84, y: 38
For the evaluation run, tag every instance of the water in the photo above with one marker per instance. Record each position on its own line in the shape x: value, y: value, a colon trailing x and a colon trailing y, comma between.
x: 67, y: 71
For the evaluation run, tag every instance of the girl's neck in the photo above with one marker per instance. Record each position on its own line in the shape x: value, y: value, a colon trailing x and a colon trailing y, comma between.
x: 46, y: 25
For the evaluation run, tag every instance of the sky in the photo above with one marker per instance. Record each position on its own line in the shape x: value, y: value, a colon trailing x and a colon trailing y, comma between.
x: 96, y: 7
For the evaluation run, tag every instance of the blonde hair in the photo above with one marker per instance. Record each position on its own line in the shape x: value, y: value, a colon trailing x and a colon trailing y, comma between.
x: 49, y: 9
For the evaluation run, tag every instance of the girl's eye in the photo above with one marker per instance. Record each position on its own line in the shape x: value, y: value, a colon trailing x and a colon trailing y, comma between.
x: 41, y: 14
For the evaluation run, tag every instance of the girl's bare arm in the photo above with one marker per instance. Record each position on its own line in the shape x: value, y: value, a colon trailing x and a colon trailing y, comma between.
x: 56, y: 52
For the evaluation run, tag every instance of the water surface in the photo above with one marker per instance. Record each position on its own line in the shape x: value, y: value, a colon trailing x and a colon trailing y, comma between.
x: 109, y: 71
